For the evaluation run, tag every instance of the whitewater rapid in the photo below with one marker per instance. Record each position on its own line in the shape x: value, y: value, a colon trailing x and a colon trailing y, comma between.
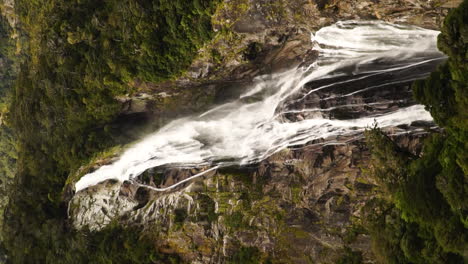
x: 253, y: 127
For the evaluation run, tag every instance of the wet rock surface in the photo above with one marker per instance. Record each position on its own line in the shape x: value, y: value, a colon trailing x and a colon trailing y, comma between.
x: 300, y: 204
x: 357, y: 95
x: 264, y: 37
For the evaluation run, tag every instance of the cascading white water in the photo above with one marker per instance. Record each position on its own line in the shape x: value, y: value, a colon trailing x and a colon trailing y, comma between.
x: 252, y: 128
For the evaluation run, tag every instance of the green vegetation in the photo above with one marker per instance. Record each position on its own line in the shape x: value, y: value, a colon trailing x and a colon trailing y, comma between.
x: 246, y: 255
x: 180, y: 215
x: 8, y: 156
x: 235, y: 220
x: 411, y: 222
x: 8, y: 65
x: 445, y: 94
x: 350, y: 257
x: 207, y: 205
x: 75, y: 57
x: 8, y: 151
x: 422, y: 214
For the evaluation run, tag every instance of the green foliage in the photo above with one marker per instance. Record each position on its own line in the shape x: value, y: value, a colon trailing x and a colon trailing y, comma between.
x: 113, y: 244
x: 8, y: 67
x: 452, y: 181
x: 445, y: 94
x: 120, y: 40
x: 76, y: 57
x: 350, y: 257
x: 8, y: 153
x: 246, y: 255
x: 8, y: 156
x: 389, y: 162
x: 234, y: 220
x: 422, y: 215
x: 8, y: 150
x: 437, y: 94
x: 385, y: 227
x: 395, y: 240
x: 414, y: 212
x: 419, y: 197
x: 352, y: 233
x: 180, y: 215
x: 207, y: 204
x: 427, y: 197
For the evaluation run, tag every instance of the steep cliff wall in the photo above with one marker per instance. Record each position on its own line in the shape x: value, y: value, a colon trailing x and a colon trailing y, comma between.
x: 257, y: 37
x: 299, y: 206
x: 302, y: 205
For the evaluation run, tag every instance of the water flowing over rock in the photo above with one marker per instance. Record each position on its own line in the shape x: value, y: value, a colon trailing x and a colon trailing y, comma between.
x: 354, y: 58
x: 279, y: 169
x: 299, y: 202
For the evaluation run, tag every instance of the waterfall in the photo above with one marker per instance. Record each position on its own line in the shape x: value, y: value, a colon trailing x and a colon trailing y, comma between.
x: 356, y: 59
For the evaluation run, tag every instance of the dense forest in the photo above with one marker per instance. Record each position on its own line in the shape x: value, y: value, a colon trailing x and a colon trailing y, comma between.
x: 422, y: 212
x: 58, y: 83
x: 75, y: 57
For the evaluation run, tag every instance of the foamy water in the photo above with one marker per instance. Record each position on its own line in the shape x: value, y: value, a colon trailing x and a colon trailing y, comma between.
x: 248, y: 131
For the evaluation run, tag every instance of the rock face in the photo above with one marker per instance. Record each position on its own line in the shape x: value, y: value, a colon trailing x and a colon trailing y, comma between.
x: 260, y: 37
x: 299, y: 205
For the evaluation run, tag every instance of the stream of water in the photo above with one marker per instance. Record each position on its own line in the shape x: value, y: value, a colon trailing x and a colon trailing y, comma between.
x: 360, y: 65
